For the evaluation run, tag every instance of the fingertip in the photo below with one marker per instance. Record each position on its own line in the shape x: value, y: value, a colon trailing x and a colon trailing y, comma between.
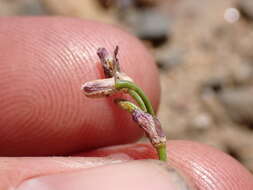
x: 208, y: 167
x: 44, y: 62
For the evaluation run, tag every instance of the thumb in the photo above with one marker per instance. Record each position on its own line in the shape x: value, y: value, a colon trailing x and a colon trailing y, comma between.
x: 88, y: 173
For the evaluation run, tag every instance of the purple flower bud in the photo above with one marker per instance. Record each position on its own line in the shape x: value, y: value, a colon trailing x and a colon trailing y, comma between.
x: 151, y: 126
x: 99, y: 88
x: 109, y: 63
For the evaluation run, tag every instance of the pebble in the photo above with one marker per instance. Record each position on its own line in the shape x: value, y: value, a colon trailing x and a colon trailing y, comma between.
x: 214, y: 85
x: 238, y: 103
x: 32, y: 8
x: 146, y: 3
x: 80, y: 8
x: 26, y: 7
x: 243, y: 74
x: 106, y: 3
x: 169, y: 58
x: 202, y: 121
x: 246, y: 8
x: 153, y: 26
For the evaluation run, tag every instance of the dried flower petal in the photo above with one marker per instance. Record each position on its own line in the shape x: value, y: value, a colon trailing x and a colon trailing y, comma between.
x: 99, y: 88
x: 151, y: 126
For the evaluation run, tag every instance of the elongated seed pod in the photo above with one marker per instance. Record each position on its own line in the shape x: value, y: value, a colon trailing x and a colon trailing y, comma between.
x: 99, y: 88
x: 151, y: 126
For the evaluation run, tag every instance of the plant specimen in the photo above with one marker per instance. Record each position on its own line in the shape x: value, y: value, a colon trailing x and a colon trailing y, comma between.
x: 117, y: 81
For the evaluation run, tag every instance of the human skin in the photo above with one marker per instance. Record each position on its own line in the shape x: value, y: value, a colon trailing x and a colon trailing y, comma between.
x: 43, y: 63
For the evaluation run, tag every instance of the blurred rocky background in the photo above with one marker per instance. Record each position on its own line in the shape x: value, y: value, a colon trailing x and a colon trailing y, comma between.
x: 204, y: 51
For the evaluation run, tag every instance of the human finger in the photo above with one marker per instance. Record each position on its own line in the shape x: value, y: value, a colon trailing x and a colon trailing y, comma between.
x: 44, y: 62
x: 74, y: 173
x: 205, y: 167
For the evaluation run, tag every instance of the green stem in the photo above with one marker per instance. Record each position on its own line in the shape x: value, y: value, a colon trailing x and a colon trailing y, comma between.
x: 126, y: 105
x: 120, y: 84
x: 138, y: 99
x: 162, y: 152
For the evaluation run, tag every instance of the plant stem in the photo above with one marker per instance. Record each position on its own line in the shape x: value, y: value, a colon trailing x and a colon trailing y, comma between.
x: 126, y: 105
x: 138, y: 99
x: 120, y: 84
x: 162, y: 152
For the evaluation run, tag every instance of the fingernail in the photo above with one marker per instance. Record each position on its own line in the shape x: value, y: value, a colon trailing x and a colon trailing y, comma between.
x: 132, y: 175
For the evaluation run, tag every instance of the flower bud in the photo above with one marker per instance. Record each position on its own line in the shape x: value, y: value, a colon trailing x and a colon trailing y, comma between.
x: 110, y: 63
x: 99, y: 88
x: 151, y: 126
